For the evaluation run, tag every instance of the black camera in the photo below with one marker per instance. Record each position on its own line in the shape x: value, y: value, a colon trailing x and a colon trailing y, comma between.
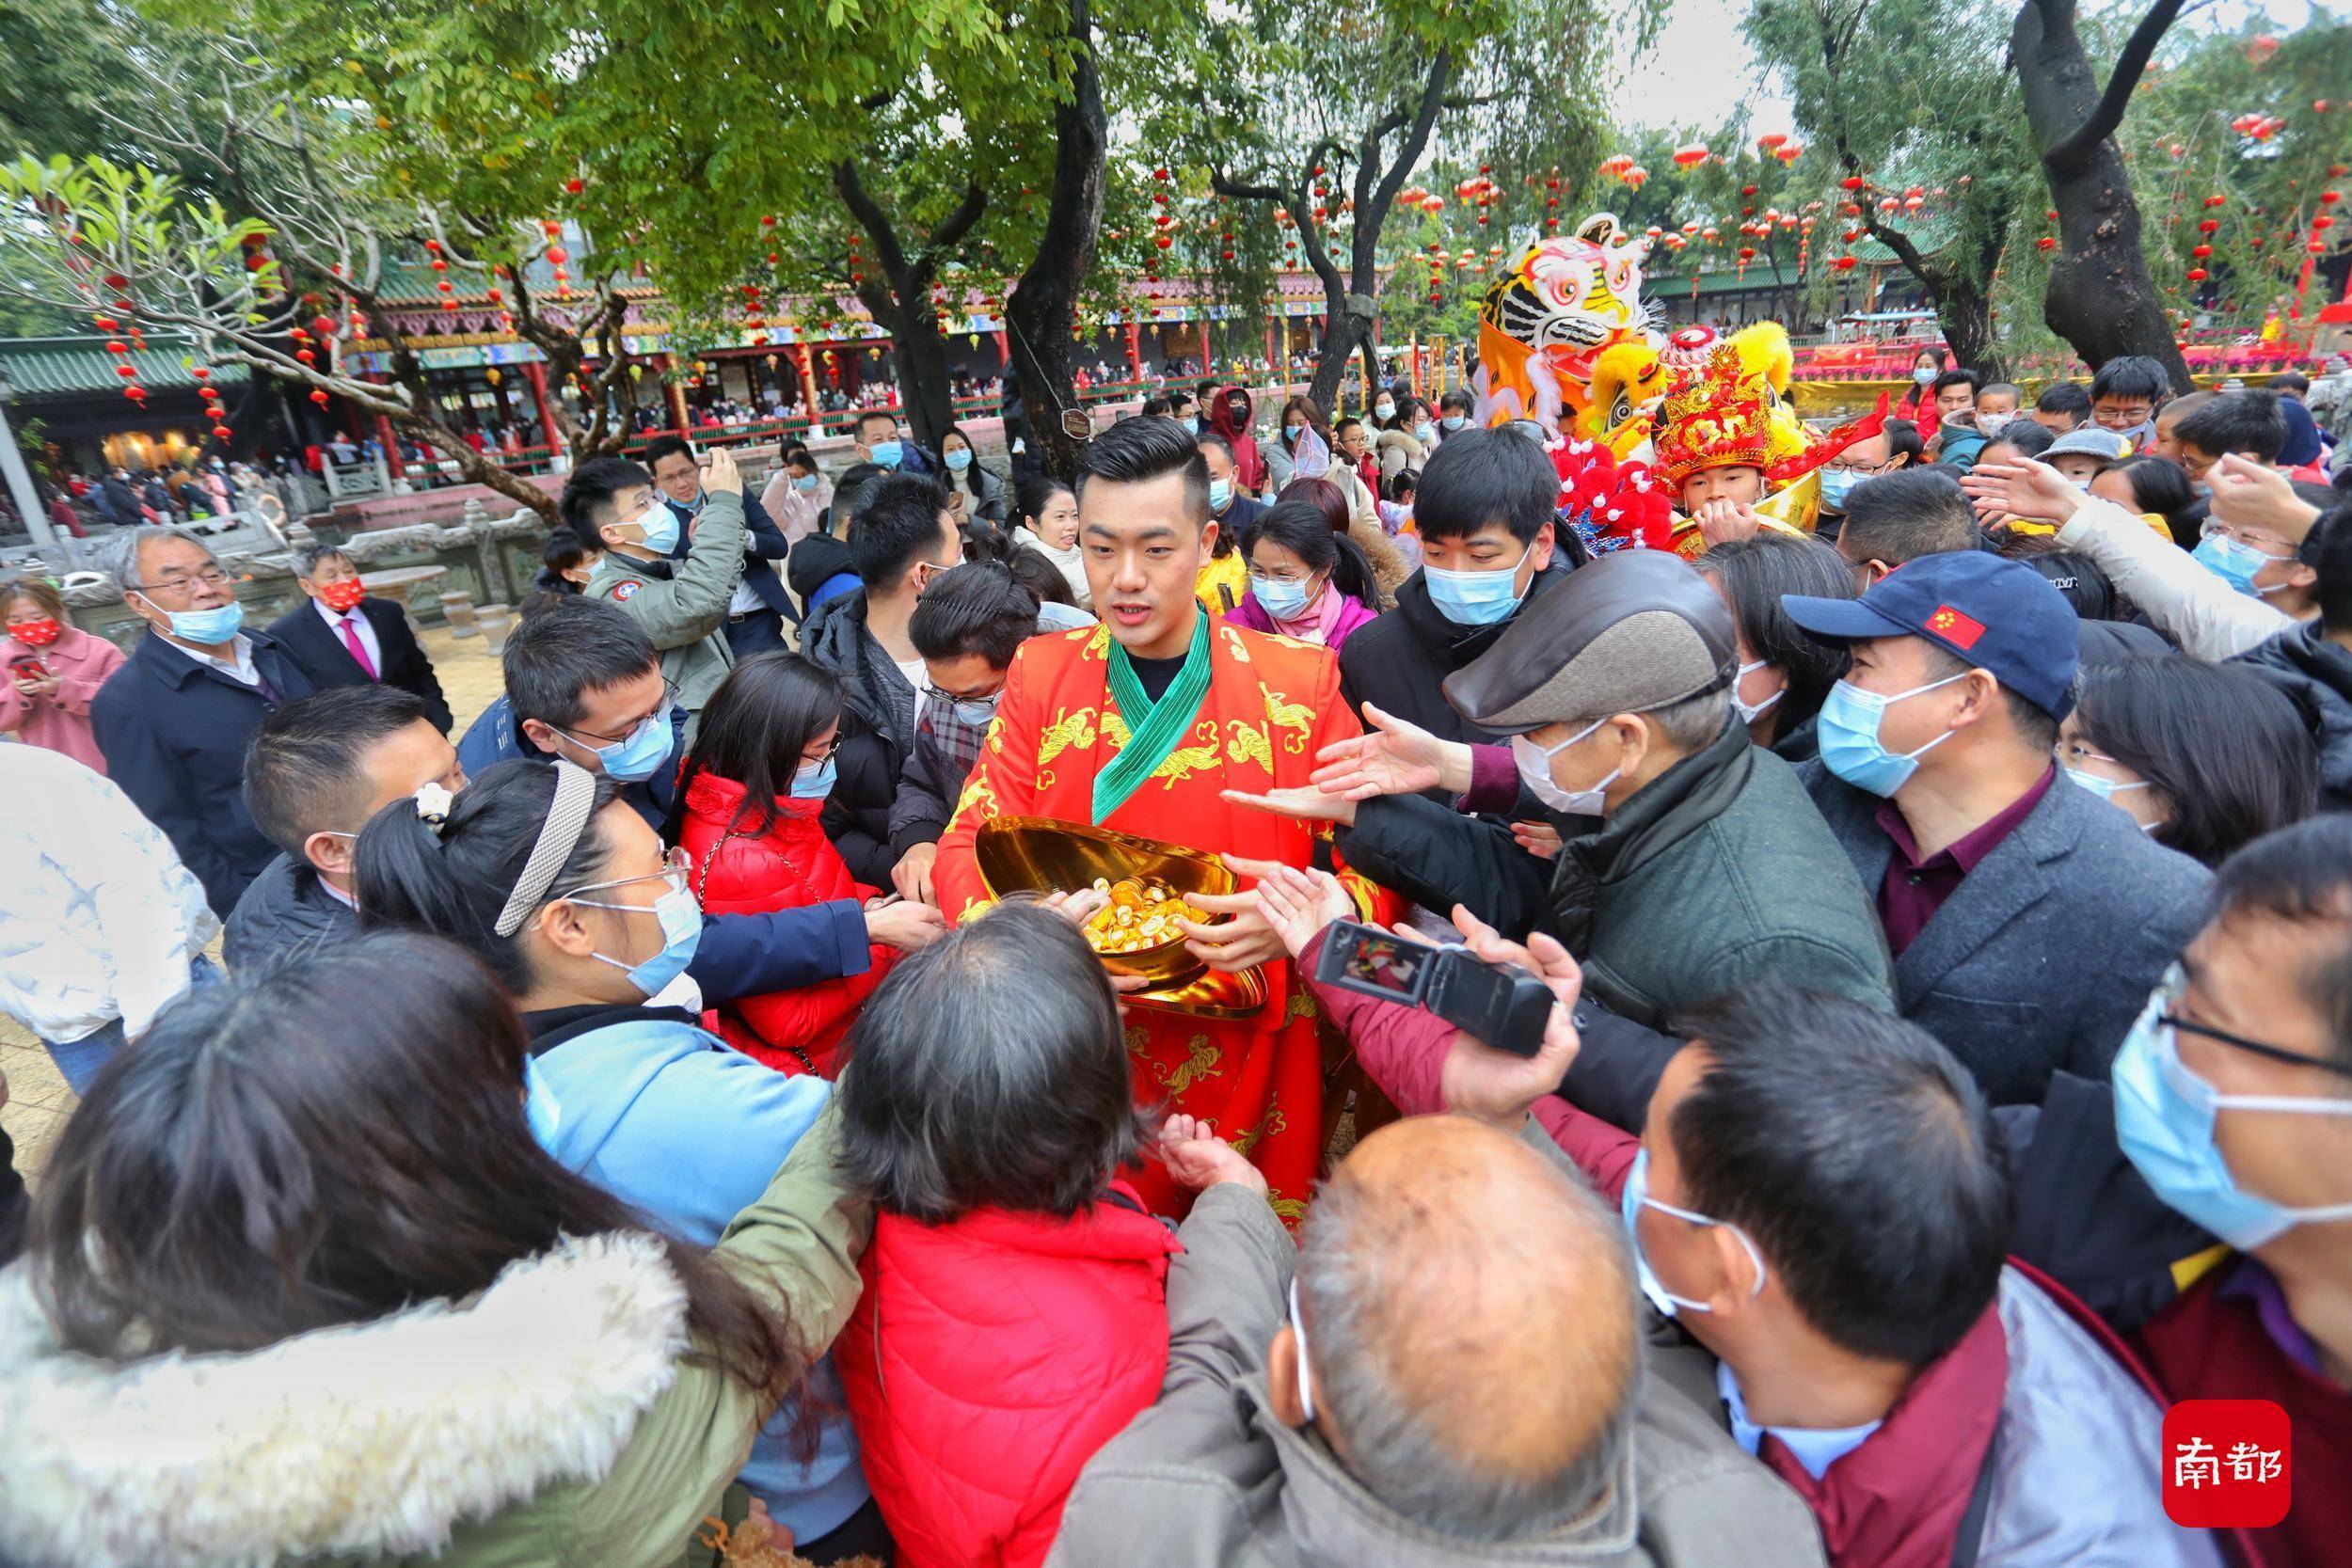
x: 1506, y: 1007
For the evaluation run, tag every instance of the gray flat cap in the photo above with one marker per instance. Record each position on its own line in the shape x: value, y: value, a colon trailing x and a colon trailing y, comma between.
x: 1631, y: 631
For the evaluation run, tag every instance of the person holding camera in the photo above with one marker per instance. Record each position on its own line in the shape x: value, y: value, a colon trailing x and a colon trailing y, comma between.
x: 1820, y: 1199
x: 1707, y: 868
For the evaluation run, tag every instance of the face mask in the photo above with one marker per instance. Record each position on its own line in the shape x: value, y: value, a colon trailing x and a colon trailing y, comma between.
x: 1634, y: 1199
x: 1192, y: 424
x: 814, y: 783
x: 342, y: 597
x: 1750, y: 712
x: 1849, y: 737
x: 959, y: 460
x: 976, y: 712
x: 36, y: 634
x: 1284, y: 601
x: 807, y: 481
x: 888, y: 453
x: 2232, y: 561
x: 1455, y: 421
x: 1836, y: 487
x: 681, y: 920
x: 1475, y: 598
x: 1925, y: 377
x: 659, y: 524
x: 2164, y: 1117
x: 1534, y: 763
x: 639, y: 756
x: 1383, y: 410
x: 209, y: 627
x: 2104, y: 787
x: 1291, y: 434
x: 1990, y: 425
x: 1423, y: 432
x: 1220, y: 494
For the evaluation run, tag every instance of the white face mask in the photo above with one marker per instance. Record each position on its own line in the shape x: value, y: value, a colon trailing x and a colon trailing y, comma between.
x: 1750, y: 712
x: 1534, y: 763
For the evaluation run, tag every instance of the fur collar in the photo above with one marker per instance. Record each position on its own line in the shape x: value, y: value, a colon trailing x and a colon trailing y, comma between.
x: 370, y: 1440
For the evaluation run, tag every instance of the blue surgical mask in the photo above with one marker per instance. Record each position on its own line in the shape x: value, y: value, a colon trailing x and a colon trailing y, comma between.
x: 814, y: 783
x: 660, y: 526
x: 960, y: 459
x: 1475, y: 598
x: 681, y: 920
x: 209, y: 627
x: 1849, y: 741
x: 638, y: 756
x: 807, y: 481
x: 1425, y: 432
x: 1220, y: 494
x: 1192, y: 424
x: 1635, y: 1198
x: 1284, y: 601
x: 976, y: 712
x: 888, y: 453
x: 1383, y: 410
x: 2164, y: 1118
x: 1836, y: 485
x: 2234, y: 563
x: 1455, y: 421
x: 1925, y: 375
x: 2098, y: 784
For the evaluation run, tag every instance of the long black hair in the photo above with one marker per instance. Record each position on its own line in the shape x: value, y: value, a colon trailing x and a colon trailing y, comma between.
x: 971, y: 480
x: 1301, y: 529
x: 1033, y: 496
x: 2231, y: 753
x: 328, y: 1140
x: 1754, y: 574
x: 755, y: 728
x: 453, y: 883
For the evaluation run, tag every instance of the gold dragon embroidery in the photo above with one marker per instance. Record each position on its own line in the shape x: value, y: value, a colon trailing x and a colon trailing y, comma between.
x: 1289, y: 1211
x: 1248, y: 742
x: 1068, y: 729
x: 1185, y: 761
x: 1273, y: 1121
x: 1201, y: 1062
x: 978, y: 795
x: 1283, y: 714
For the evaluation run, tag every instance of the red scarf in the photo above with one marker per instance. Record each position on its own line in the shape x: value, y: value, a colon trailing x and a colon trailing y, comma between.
x: 1897, y: 1501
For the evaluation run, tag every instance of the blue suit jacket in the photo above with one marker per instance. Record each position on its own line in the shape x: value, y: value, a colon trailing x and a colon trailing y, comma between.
x: 763, y: 541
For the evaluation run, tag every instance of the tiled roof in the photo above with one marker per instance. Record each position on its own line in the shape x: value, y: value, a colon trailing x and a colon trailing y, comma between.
x: 78, y: 367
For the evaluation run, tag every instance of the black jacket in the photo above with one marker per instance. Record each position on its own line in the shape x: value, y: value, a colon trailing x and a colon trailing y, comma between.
x: 2319, y: 675
x: 312, y: 643
x: 286, y: 907
x: 763, y: 541
x: 174, y: 733
x: 817, y: 559
x: 1397, y: 660
x: 876, y: 731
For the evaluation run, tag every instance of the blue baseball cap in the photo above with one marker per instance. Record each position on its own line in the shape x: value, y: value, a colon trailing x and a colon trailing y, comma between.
x: 1999, y: 615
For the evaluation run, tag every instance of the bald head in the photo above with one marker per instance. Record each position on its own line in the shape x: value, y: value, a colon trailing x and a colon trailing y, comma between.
x: 1471, y: 1328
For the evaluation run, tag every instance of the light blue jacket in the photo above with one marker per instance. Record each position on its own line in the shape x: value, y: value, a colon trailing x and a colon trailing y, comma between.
x: 672, y: 1121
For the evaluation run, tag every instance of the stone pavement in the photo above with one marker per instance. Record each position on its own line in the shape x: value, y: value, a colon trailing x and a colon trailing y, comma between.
x: 38, y: 1100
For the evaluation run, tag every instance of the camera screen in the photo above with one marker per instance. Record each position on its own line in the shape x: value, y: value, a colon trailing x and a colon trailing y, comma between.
x: 1386, y: 964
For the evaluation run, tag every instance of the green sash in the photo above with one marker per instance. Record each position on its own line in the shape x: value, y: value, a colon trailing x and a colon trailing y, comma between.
x: 1154, y: 727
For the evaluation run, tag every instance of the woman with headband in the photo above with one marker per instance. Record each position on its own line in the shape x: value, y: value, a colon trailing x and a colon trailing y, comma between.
x: 562, y: 889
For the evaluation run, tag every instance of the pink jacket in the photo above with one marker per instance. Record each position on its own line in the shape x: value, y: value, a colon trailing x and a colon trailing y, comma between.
x: 61, y: 722
x: 1352, y: 613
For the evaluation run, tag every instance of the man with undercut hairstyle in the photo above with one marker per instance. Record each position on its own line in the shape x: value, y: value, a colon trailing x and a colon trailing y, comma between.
x: 1446, y: 1371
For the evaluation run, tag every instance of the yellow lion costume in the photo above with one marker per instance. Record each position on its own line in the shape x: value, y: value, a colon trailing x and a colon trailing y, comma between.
x: 1545, y: 323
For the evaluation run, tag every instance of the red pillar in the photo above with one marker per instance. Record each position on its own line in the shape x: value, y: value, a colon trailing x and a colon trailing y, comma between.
x: 393, y: 466
x: 1274, y: 365
x: 676, y: 396
x: 536, y: 372
x: 1134, y: 351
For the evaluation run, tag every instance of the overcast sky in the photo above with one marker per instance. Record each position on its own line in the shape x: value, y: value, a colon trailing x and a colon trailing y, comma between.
x: 1702, y: 62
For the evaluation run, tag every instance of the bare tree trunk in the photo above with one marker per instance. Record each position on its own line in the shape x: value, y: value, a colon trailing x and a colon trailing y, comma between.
x: 1044, y: 304
x: 2100, y: 297
x: 898, y: 290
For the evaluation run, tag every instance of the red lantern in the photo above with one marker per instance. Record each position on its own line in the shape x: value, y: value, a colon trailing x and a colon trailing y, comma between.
x: 767, y: 220
x: 1747, y: 253
x: 1770, y: 140
x: 128, y: 372
x: 1844, y: 263
x: 2201, y: 252
x: 136, y: 394
x: 2208, y: 226
x: 201, y: 374
x: 1689, y: 155
x: 117, y: 348
x: 306, y: 356
x: 2216, y: 200
x: 2195, y: 274
x: 1164, y: 241
x: 575, y: 187
x: 439, y: 265
x: 1853, y: 181
x: 223, y: 432
x: 319, y: 396
x: 2046, y: 243
x: 557, y: 255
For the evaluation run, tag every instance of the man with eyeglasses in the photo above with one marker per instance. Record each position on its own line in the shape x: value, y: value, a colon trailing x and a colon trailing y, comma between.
x: 173, y: 722
x: 1894, y: 447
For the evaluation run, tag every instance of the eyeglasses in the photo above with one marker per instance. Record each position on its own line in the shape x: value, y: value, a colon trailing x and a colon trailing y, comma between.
x: 936, y: 695
x: 2279, y: 549
x: 676, y: 867
x: 2170, y: 994
x: 825, y: 755
x: 668, y: 700
x: 1839, y: 465
x: 180, y: 582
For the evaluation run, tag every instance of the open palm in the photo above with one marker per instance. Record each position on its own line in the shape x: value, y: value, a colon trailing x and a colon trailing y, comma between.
x: 1393, y: 757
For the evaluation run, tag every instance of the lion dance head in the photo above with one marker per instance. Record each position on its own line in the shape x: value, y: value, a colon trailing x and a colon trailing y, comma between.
x: 1547, y: 319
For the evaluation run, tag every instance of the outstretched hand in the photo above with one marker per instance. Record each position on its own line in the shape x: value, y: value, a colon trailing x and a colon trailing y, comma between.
x: 1300, y: 802
x: 1393, y: 757
x: 1297, y: 904
x: 1200, y: 1159
x: 2021, y: 488
x: 2247, y: 494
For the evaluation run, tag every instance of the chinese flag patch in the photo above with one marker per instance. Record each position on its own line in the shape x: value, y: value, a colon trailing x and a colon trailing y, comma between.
x: 1961, y: 632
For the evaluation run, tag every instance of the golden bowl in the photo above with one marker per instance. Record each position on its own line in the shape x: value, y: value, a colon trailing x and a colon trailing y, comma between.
x: 1041, y: 855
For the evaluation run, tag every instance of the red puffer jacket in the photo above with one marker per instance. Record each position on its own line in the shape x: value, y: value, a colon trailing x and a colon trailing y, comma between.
x: 790, y: 865
x: 989, y: 1358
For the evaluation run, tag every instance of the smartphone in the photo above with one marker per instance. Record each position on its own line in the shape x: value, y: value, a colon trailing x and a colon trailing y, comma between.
x: 1503, y: 1005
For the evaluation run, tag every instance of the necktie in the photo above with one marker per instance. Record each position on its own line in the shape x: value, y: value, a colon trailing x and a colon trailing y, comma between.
x: 350, y: 627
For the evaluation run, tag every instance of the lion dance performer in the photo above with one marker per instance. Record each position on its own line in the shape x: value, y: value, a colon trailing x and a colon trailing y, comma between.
x: 1138, y: 725
x: 1546, y: 323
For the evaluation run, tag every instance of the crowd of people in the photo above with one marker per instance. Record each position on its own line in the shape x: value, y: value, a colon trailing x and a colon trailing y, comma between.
x: 677, y: 1114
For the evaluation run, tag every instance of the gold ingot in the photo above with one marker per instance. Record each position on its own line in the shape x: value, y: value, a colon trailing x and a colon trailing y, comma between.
x: 1039, y: 855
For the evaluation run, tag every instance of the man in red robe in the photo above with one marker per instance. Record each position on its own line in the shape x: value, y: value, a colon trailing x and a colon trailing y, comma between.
x: 1138, y: 725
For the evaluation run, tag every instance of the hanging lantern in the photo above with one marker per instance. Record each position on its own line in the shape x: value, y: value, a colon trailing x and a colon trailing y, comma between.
x: 2046, y: 243
x: 1843, y: 264
x: 1769, y: 141
x: 1689, y: 155
x: 1853, y: 181
x: 2195, y: 274
x: 136, y: 394
x: 223, y: 432
x: 319, y: 396
x: 1790, y: 153
x: 1637, y: 177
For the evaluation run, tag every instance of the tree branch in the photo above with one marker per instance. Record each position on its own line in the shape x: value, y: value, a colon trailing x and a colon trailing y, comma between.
x: 2130, y: 65
x: 870, y: 217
